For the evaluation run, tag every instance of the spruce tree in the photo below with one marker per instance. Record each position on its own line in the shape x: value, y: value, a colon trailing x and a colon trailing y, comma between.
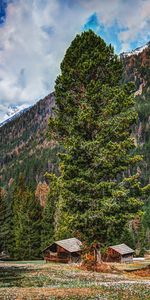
x: 27, y: 223
x: 93, y: 121
x: 48, y: 215
x: 145, y: 227
x: 6, y: 221
x: 2, y: 214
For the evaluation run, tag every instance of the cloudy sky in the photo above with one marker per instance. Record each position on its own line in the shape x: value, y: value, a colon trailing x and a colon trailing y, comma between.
x: 34, y: 35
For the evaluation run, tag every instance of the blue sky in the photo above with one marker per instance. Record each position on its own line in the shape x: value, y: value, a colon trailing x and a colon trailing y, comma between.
x: 2, y: 10
x: 36, y: 33
x: 110, y: 34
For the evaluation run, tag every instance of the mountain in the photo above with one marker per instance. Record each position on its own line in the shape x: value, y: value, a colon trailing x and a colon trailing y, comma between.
x: 137, y: 69
x: 13, y: 113
x: 135, y: 51
x: 24, y: 147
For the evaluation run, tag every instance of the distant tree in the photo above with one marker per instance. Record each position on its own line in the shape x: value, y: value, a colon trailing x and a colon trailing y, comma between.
x: 41, y: 193
x: 93, y: 120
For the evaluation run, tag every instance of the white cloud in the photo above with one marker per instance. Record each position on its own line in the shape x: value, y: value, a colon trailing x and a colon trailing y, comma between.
x: 32, y: 44
x: 132, y: 16
x: 36, y: 34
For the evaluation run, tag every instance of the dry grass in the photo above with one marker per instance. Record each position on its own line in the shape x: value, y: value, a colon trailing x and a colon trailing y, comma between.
x: 45, y: 293
x: 144, y: 272
x: 37, y: 281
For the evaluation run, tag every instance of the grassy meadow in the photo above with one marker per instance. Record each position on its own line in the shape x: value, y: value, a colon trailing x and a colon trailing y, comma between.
x: 39, y: 281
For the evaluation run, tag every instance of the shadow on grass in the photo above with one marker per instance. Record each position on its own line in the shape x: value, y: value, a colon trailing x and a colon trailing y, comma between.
x: 14, y: 276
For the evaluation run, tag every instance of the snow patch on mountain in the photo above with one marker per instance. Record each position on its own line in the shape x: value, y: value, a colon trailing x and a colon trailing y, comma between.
x: 13, y: 112
x: 136, y: 51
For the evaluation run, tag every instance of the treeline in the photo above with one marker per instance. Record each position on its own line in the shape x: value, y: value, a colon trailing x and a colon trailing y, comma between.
x: 20, y: 222
x: 25, y: 226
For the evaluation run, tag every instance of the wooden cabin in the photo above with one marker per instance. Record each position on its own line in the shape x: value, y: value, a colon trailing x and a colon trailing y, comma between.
x: 120, y: 253
x: 65, y: 251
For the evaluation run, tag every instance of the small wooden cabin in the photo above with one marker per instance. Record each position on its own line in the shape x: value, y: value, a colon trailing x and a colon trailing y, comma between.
x: 65, y: 251
x: 120, y: 253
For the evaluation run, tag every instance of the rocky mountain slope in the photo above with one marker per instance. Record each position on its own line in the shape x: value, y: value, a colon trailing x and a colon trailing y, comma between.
x: 137, y: 69
x: 25, y: 149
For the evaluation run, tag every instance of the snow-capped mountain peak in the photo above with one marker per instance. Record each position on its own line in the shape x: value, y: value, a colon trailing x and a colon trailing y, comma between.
x: 13, y: 112
x: 136, y: 51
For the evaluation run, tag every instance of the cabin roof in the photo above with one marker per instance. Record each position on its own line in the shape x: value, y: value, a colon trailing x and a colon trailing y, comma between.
x: 71, y: 245
x: 122, y: 249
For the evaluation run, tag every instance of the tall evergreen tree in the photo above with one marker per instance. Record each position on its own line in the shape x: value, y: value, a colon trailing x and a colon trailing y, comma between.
x: 93, y: 121
x: 27, y: 223
x: 6, y: 221
x: 2, y: 212
x: 48, y: 215
x: 145, y: 227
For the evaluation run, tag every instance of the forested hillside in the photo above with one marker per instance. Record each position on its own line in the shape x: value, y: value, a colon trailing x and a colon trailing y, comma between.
x: 24, y: 147
x: 137, y: 70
